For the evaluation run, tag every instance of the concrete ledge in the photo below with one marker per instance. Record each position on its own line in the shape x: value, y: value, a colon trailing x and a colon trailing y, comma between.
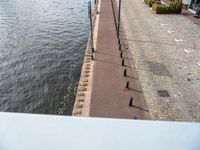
x: 83, y: 96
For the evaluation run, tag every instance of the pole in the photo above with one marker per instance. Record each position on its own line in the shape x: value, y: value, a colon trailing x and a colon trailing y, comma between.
x: 114, y: 14
x: 91, y: 27
x: 119, y: 17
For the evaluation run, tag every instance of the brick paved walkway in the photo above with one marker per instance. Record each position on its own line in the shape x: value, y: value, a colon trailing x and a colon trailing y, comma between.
x: 109, y: 97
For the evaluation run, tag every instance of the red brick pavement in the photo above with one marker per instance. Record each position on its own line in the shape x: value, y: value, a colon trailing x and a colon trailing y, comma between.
x: 110, y: 98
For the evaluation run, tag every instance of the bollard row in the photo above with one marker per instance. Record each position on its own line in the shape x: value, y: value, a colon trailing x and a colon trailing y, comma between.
x: 83, y: 89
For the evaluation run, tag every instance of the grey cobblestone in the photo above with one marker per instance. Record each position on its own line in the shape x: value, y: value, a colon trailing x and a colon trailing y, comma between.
x: 171, y: 40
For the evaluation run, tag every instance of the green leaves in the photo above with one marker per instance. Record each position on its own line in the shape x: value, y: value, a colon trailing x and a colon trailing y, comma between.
x: 173, y: 8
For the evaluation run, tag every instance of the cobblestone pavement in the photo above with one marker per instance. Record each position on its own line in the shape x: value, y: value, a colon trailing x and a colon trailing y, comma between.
x: 166, y: 50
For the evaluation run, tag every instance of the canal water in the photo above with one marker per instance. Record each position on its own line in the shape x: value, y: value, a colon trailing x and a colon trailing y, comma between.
x: 42, y: 44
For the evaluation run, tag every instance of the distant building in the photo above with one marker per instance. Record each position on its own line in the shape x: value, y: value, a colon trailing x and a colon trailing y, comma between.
x: 193, y: 4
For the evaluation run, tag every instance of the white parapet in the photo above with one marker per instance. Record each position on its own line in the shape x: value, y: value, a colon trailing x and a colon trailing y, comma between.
x: 46, y: 132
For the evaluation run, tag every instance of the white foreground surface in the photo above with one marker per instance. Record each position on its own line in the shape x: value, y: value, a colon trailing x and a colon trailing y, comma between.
x: 46, y: 132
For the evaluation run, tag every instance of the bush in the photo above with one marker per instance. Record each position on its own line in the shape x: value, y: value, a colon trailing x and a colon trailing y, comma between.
x: 161, y: 9
x: 158, y: 2
x: 176, y: 7
x: 150, y: 3
x: 146, y: 1
x: 173, y: 8
x: 155, y: 8
x: 185, y: 6
x: 179, y: 6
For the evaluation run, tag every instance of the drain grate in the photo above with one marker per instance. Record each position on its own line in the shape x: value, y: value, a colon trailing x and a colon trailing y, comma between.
x: 163, y: 93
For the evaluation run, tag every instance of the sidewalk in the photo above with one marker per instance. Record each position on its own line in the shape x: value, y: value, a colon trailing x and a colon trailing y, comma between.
x: 110, y: 98
x: 166, y: 50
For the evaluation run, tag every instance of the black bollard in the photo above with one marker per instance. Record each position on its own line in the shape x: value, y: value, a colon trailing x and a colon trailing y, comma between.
x: 135, y: 117
x: 131, y: 102
x: 119, y: 42
x: 125, y: 72
x: 121, y: 54
x: 92, y: 50
x: 92, y: 56
x: 122, y: 62
x: 120, y: 47
x: 127, y: 84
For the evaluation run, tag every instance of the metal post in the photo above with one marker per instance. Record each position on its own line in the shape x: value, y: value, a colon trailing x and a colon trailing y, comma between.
x: 120, y: 47
x: 91, y: 27
x: 121, y: 55
x: 125, y: 72
x: 131, y: 102
x: 127, y: 84
x: 114, y: 14
x: 119, y: 17
x: 88, y: 10
x: 92, y: 56
x: 122, y: 62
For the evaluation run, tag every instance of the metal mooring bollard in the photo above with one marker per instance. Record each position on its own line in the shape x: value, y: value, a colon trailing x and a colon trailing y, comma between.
x: 119, y: 41
x: 92, y: 56
x: 120, y: 47
x: 125, y: 72
x: 121, y: 54
x: 127, y: 84
x: 131, y: 102
x: 92, y: 50
x: 122, y: 62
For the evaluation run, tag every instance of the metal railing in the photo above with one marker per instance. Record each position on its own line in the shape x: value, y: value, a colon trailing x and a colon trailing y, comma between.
x: 117, y: 16
x: 91, y: 26
x: 92, y: 20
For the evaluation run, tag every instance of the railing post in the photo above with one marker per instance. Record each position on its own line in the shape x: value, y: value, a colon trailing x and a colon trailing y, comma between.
x: 91, y: 26
x: 119, y: 17
x: 114, y: 14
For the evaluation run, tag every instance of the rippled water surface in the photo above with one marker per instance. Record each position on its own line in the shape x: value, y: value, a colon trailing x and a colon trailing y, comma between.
x: 42, y: 44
